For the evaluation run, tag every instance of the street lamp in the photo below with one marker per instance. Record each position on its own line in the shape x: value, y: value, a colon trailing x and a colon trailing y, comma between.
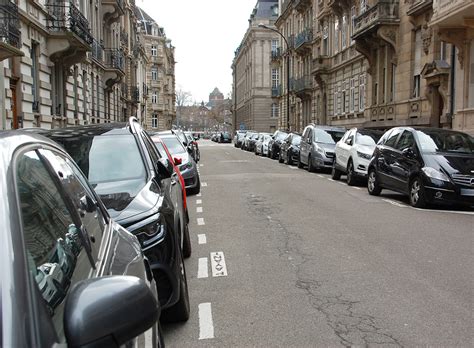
x: 261, y: 25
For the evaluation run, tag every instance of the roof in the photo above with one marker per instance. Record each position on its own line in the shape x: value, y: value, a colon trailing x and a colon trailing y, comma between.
x: 265, y: 9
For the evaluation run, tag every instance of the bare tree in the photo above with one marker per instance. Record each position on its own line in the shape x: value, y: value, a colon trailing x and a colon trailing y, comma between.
x: 182, y: 98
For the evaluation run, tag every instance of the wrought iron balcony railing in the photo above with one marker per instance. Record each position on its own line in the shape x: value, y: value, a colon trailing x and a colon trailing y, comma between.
x: 135, y: 92
x: 382, y: 12
x: 114, y: 59
x: 97, y: 50
x: 276, y: 91
x: 277, y: 53
x: 306, y: 36
x: 10, y: 24
x: 302, y: 84
x: 64, y: 16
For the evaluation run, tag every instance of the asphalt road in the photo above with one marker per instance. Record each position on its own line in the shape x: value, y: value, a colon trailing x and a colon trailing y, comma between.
x: 312, y: 262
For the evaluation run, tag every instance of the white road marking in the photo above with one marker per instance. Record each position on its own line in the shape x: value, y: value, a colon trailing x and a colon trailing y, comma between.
x: 269, y: 217
x: 149, y: 338
x: 234, y: 161
x: 198, y: 209
x: 202, y: 268
x: 218, y: 265
x: 397, y: 204
x: 227, y: 153
x: 204, y: 184
x: 198, y: 201
x: 202, y: 239
x: 206, y: 326
x: 357, y: 188
x: 293, y: 167
x: 321, y: 176
x: 199, y: 194
x: 331, y: 179
x: 342, y: 183
x: 200, y: 221
x: 446, y: 211
x: 201, y: 165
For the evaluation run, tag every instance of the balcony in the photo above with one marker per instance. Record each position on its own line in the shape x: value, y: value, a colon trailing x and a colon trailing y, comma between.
x: 70, y: 37
x: 321, y: 65
x: 303, y: 41
x: 276, y: 91
x: 303, y: 87
x: 157, y: 107
x: 114, y: 62
x: 339, y: 7
x: 10, y: 35
x: 97, y: 51
x: 302, y: 5
x: 453, y: 13
x: 112, y: 10
x: 417, y: 7
x: 135, y: 94
x: 276, y: 54
x: 383, y: 13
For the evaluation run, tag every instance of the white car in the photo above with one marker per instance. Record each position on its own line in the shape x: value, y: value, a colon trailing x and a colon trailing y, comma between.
x: 353, y: 153
x: 261, y: 146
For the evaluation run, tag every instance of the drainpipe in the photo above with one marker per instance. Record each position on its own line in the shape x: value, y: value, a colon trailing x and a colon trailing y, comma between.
x: 452, y: 84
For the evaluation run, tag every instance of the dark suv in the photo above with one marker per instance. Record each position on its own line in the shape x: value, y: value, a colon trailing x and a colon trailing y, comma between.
x: 137, y: 186
x: 274, y: 144
x: 70, y: 274
x: 430, y: 165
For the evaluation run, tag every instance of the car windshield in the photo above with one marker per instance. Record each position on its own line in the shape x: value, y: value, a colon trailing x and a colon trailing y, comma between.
x: 296, y: 140
x: 267, y: 138
x: 281, y: 136
x: 226, y: 135
x: 174, y: 145
x: 328, y: 136
x: 160, y: 148
x: 108, y: 158
x: 445, y: 141
x: 369, y: 138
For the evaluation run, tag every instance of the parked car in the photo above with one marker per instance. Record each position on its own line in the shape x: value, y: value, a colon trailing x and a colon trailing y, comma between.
x: 224, y: 137
x: 317, y: 146
x: 274, y: 144
x: 290, y: 149
x: 48, y: 204
x: 430, y: 165
x: 353, y: 153
x: 246, y: 140
x: 261, y: 146
x: 188, y: 166
x: 164, y: 152
x: 135, y: 184
x: 239, y: 135
x: 193, y: 146
x: 250, y: 146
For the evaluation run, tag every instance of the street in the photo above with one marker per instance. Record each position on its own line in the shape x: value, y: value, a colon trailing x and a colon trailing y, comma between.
x: 305, y: 261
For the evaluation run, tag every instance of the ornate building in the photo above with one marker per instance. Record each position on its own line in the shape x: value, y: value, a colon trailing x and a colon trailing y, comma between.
x: 70, y: 62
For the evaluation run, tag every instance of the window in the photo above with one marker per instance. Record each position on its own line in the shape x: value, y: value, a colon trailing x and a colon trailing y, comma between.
x: 275, y: 110
x: 275, y: 78
x: 154, y: 120
x: 417, y: 65
x: 344, y: 32
x: 35, y: 75
x: 362, y: 92
x: 352, y: 96
x: 392, y: 138
x: 353, y: 17
x: 154, y: 51
x: 154, y: 97
x: 274, y: 45
x: 325, y: 40
x: 344, y: 101
x: 334, y: 108
x: 53, y: 242
x: 154, y: 74
x: 336, y: 36
x: 406, y: 141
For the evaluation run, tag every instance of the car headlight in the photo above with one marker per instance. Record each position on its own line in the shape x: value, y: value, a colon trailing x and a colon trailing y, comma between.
x: 320, y: 150
x: 185, y: 166
x: 363, y: 155
x: 435, y: 174
x: 150, y: 231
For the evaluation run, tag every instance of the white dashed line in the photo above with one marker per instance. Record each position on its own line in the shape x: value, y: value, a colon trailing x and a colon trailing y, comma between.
x: 199, y: 210
x: 397, y: 204
x: 200, y: 221
x: 293, y: 167
x: 204, y: 184
x: 357, y: 188
x: 218, y: 266
x: 331, y: 179
x: 202, y: 239
x: 227, y: 153
x: 201, y: 165
x: 342, y: 183
x: 199, y: 194
x: 206, y: 326
x: 321, y: 176
x: 202, y: 268
x: 198, y: 201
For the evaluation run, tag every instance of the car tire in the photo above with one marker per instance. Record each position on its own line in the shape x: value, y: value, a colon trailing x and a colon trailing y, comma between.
x: 197, y: 189
x: 310, y: 165
x: 300, y: 165
x: 373, y: 186
x: 335, y: 173
x: 350, y: 175
x: 180, y: 310
x: 187, y: 250
x: 288, y: 159
x: 417, y: 193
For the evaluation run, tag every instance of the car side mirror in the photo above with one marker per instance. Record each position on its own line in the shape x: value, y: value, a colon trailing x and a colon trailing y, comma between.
x: 164, y: 168
x: 409, y: 153
x: 109, y: 311
x: 185, y: 143
x: 177, y: 161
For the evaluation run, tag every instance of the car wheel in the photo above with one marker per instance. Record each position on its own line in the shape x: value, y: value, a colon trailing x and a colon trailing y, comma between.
x: 186, y: 243
x: 197, y: 189
x: 350, y: 176
x: 180, y: 311
x: 300, y: 165
x: 335, y: 173
x: 372, y: 183
x: 288, y: 159
x: 310, y: 164
x: 417, y: 193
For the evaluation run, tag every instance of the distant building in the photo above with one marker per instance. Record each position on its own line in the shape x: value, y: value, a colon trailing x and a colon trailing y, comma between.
x: 215, y: 98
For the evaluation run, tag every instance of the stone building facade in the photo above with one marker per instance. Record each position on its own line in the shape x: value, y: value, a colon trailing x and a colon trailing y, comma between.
x: 376, y: 63
x: 70, y: 62
x: 253, y: 106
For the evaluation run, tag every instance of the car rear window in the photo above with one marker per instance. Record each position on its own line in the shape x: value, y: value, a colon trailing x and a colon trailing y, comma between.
x: 174, y: 145
x: 445, y: 141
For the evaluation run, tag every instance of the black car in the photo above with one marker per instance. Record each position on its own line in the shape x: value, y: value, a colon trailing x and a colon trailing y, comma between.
x: 67, y: 267
x: 136, y: 185
x: 430, y: 165
x: 290, y: 149
x: 224, y: 137
x: 274, y: 144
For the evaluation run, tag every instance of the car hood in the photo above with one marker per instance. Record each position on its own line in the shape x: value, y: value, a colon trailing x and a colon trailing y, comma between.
x: 183, y: 156
x: 126, y: 201
x: 451, y: 163
x: 368, y: 149
x: 327, y: 147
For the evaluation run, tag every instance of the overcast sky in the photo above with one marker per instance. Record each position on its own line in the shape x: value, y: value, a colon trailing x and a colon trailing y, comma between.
x: 205, y: 34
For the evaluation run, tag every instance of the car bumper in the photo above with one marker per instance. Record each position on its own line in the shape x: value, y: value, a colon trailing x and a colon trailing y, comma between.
x: 448, y: 196
x: 190, y: 177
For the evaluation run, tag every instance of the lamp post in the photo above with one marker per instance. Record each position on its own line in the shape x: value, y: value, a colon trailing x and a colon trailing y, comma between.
x: 261, y: 25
